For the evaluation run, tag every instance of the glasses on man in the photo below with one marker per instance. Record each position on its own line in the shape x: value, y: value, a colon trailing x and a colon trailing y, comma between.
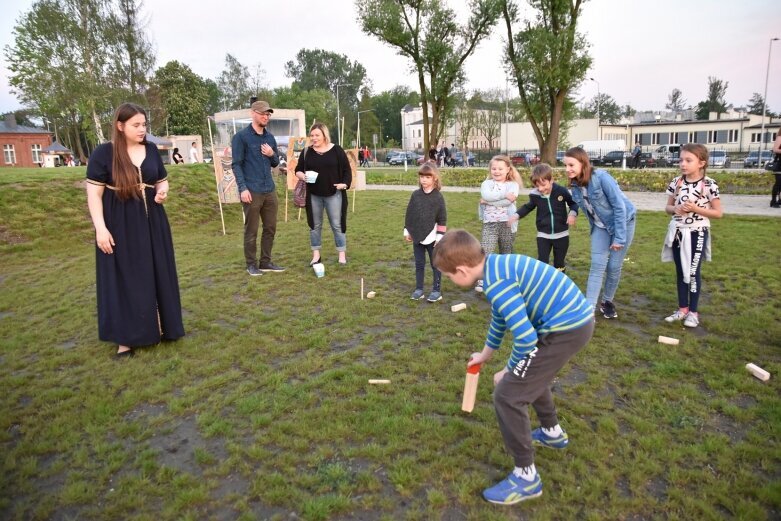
x: 267, y: 114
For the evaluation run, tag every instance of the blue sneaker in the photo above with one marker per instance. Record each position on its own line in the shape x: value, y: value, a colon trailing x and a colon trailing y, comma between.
x: 559, y: 442
x: 513, y: 490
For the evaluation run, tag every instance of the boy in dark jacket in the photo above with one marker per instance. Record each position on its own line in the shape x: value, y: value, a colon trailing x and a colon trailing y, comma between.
x: 553, y: 219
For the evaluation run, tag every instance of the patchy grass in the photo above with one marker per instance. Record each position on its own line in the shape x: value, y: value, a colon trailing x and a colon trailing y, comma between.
x: 264, y: 410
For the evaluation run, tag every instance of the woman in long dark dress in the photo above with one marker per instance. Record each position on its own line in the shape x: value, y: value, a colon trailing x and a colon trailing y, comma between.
x: 137, y: 286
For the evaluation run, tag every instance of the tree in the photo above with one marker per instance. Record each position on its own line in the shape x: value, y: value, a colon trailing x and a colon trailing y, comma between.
x: 675, y: 101
x: 318, y: 104
x: 603, y: 106
x: 547, y: 60
x: 133, y: 56
x: 179, y: 96
x: 387, y: 108
x: 716, y: 102
x: 233, y: 83
x: 427, y: 34
x: 757, y: 103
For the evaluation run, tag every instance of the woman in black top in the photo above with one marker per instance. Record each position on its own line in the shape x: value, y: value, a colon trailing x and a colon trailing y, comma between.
x: 326, y: 169
x: 177, y: 157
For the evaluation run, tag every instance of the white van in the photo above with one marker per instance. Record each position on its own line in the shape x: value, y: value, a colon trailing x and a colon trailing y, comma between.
x: 667, y: 155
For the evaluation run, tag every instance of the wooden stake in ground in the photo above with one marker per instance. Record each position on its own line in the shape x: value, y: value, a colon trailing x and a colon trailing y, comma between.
x: 668, y: 340
x: 379, y: 382
x: 361, y: 288
x: 470, y: 388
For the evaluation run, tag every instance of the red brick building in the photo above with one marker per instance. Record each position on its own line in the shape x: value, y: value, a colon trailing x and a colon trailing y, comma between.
x: 22, y: 146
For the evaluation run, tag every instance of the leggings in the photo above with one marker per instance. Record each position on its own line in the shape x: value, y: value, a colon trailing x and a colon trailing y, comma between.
x: 689, y: 294
x: 420, y: 265
x: 497, y: 233
x: 559, y: 247
x: 777, y: 189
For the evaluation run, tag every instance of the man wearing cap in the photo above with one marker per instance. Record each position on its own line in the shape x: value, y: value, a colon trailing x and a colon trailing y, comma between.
x: 254, y: 155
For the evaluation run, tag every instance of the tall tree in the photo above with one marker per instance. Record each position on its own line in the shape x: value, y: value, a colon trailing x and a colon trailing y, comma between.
x: 318, y: 104
x: 547, y: 59
x: 756, y: 104
x: 387, y: 107
x: 489, y: 122
x: 605, y: 107
x: 675, y: 101
x: 716, y: 101
x: 133, y: 55
x: 234, y: 84
x: 179, y: 97
x: 427, y: 33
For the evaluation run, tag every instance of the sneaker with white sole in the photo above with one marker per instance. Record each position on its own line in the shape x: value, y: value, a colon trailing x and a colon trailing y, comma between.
x: 675, y: 317
x: 513, y: 489
x: 479, y: 286
x: 434, y: 296
x: 554, y: 442
x: 417, y: 294
x: 608, y: 309
x: 254, y: 271
x: 691, y: 320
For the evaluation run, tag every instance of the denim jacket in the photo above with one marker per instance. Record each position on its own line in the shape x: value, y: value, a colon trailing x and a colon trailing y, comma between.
x: 612, y: 207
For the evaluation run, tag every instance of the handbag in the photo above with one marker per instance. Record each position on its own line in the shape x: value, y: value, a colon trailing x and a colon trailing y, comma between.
x: 299, y: 194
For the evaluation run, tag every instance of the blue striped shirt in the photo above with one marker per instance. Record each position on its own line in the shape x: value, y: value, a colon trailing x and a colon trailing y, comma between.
x: 531, y: 299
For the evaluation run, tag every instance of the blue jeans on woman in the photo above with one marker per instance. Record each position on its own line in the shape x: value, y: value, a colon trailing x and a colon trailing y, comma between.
x: 333, y: 207
x: 606, y: 264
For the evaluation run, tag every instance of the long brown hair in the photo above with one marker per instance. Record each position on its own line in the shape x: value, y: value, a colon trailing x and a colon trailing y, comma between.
x: 430, y: 169
x: 581, y: 157
x: 124, y: 172
x: 699, y: 151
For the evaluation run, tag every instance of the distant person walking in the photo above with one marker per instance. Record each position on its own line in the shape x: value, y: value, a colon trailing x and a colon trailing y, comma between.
x: 194, y: 153
x: 775, y: 198
x: 177, y: 157
x: 254, y: 155
x: 137, y: 285
x: 636, y: 153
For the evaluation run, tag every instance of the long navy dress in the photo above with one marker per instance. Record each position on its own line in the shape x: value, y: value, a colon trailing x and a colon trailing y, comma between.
x: 137, y: 284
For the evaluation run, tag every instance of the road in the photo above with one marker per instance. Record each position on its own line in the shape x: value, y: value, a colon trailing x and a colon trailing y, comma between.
x: 652, y: 201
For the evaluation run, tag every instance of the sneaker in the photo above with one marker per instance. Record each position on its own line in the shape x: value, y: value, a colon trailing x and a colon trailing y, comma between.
x: 675, y: 317
x: 608, y: 309
x: 479, y: 287
x: 559, y: 442
x: 254, y: 271
x: 417, y: 294
x: 513, y: 490
x: 270, y: 266
x: 691, y: 320
x: 434, y: 296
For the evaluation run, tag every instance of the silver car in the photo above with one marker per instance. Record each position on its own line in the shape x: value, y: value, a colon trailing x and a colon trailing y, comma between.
x: 719, y: 159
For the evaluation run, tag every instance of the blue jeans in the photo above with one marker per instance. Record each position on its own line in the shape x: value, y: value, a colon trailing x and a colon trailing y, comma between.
x: 420, y: 265
x: 333, y: 207
x: 606, y: 264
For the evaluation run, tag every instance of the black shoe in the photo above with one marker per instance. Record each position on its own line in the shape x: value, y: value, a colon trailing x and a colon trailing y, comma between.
x: 270, y: 266
x: 608, y: 309
x: 253, y: 270
x: 316, y: 261
x: 775, y: 204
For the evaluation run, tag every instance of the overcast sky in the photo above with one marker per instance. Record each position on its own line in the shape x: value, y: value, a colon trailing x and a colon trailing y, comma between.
x: 641, y: 49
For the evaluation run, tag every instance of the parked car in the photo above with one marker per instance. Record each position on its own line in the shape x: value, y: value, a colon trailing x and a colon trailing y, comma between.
x: 398, y: 158
x: 751, y: 160
x: 560, y: 157
x: 719, y: 159
x: 614, y: 158
x: 518, y: 159
x: 458, y: 159
x: 667, y: 155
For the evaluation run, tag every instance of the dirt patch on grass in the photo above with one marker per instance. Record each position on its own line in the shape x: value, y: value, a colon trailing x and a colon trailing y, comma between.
x: 176, y: 446
x: 11, y: 237
x: 657, y: 487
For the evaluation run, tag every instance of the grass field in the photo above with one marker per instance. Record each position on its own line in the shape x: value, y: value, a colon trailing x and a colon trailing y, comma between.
x: 263, y: 411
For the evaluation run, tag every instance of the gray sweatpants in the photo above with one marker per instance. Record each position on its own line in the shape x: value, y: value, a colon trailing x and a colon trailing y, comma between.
x: 529, y: 383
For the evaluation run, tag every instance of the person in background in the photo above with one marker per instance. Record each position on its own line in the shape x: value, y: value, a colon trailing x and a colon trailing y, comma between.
x: 254, y: 155
x: 692, y: 200
x: 194, y: 153
x: 326, y: 169
x: 424, y: 224
x: 636, y: 153
x: 612, y: 219
x: 775, y: 197
x: 177, y: 157
x: 137, y: 285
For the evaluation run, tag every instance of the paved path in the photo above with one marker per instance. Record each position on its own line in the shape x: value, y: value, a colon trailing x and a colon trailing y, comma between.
x: 732, y: 204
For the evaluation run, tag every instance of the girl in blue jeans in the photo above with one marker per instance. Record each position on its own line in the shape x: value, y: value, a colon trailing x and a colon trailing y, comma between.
x: 612, y: 219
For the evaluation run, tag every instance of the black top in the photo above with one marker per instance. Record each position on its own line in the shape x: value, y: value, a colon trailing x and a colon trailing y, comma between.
x: 551, y: 211
x: 424, y: 211
x: 332, y: 167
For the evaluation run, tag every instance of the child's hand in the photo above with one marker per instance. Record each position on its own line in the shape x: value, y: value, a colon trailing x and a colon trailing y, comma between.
x: 408, y: 238
x: 498, y: 376
x: 513, y: 219
x: 479, y: 358
x: 571, y: 220
x: 511, y: 197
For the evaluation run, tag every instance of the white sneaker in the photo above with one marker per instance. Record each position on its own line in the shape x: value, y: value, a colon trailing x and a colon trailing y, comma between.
x: 676, y: 317
x: 479, y: 287
x: 692, y: 320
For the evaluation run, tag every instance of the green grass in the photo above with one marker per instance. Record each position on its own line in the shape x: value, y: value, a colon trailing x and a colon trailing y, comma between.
x: 263, y: 408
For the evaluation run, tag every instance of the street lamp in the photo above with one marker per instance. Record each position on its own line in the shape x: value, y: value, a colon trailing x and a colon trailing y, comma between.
x: 764, y: 104
x: 338, y: 117
x: 599, y: 118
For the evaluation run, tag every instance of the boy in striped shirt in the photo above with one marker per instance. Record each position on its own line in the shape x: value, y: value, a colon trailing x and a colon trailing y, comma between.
x: 550, y: 320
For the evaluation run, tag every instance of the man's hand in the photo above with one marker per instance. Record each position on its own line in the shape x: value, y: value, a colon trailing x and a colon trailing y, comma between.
x: 246, y: 197
x: 266, y: 150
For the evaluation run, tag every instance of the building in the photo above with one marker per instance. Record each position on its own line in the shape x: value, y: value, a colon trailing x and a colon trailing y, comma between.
x: 22, y: 146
